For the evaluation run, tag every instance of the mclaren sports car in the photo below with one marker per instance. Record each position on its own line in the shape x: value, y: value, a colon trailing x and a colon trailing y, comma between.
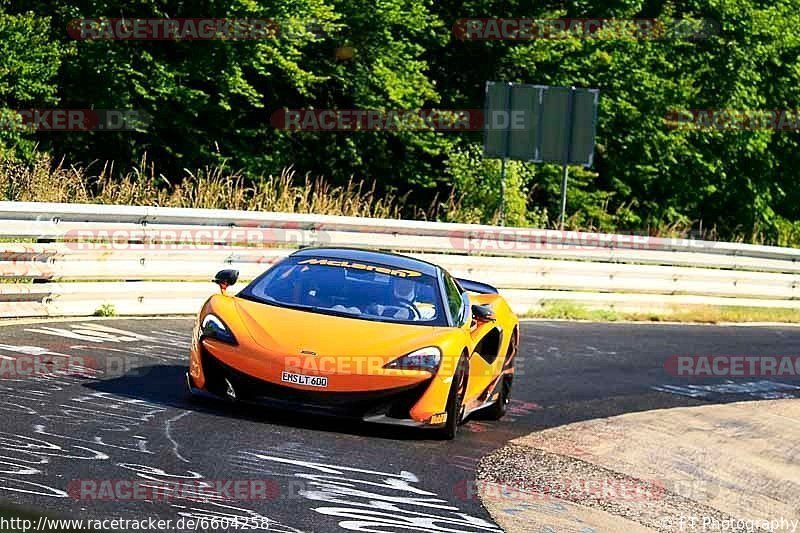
x: 370, y: 335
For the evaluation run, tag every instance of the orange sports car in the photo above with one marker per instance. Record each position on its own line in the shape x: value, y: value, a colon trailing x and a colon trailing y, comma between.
x: 376, y: 336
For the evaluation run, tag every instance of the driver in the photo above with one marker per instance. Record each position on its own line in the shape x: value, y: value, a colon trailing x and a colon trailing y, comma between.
x: 404, y: 289
x: 405, y: 305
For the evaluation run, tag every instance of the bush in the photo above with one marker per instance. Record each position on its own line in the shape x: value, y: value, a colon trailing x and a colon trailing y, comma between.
x: 477, y: 190
x: 106, y: 310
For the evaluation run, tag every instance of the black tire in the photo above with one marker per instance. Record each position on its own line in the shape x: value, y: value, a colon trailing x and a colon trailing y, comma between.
x: 455, y: 401
x: 499, y: 408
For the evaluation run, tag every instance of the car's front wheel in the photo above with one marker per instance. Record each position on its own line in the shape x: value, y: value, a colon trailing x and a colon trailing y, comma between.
x: 455, y: 400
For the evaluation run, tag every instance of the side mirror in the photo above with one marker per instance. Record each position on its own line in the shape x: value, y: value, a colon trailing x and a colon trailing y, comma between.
x: 226, y: 278
x: 483, y: 313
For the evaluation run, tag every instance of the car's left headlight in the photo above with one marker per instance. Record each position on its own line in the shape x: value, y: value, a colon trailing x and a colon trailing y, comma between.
x: 424, y: 359
x: 212, y: 327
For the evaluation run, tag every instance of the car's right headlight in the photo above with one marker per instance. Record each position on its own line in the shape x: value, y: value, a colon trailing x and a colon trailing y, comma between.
x: 424, y: 359
x: 212, y: 327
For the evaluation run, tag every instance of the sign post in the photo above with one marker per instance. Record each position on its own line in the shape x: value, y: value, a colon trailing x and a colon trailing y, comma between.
x: 540, y: 124
x: 570, y: 120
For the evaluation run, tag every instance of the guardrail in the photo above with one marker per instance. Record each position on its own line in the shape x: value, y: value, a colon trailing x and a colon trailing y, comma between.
x: 70, y: 259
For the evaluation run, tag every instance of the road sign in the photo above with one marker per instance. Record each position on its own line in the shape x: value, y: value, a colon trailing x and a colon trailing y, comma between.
x: 540, y: 124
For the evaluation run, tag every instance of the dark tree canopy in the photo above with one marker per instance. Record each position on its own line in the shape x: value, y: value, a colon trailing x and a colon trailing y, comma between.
x: 211, y: 101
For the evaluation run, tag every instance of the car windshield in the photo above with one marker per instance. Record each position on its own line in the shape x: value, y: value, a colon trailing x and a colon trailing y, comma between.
x: 350, y: 288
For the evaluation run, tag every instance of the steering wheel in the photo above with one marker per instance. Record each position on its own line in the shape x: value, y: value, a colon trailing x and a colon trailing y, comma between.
x: 407, y: 305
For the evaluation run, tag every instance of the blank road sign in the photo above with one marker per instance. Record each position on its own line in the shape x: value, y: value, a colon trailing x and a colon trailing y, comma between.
x: 584, y: 117
x: 495, y: 133
x: 523, y: 118
x: 540, y: 123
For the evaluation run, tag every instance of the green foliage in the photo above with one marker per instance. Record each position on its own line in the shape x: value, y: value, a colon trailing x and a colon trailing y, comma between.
x: 211, y: 103
x: 477, y: 185
x: 700, y: 314
x: 651, y: 177
x: 106, y: 310
x: 30, y: 61
x: 566, y: 310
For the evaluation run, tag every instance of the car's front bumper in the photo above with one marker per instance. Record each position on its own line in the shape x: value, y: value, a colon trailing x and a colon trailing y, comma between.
x: 387, y: 406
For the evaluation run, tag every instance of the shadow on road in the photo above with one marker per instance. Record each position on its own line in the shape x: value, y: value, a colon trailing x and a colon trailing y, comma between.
x: 166, y: 385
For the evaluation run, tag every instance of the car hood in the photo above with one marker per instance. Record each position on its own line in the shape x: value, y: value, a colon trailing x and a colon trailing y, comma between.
x: 291, y: 332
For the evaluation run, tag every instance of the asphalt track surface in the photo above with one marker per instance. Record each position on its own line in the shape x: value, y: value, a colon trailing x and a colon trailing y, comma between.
x: 129, y: 418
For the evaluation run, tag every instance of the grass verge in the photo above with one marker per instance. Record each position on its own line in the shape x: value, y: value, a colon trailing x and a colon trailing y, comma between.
x: 699, y: 314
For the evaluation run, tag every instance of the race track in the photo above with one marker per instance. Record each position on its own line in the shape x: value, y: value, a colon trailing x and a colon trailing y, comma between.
x: 128, y: 417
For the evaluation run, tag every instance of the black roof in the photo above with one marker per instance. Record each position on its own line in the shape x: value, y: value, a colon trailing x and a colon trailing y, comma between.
x: 370, y: 256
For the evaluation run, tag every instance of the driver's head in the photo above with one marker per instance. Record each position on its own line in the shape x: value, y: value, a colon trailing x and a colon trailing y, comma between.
x: 404, y: 289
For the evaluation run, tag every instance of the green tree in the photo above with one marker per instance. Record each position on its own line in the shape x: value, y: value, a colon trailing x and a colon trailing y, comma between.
x: 30, y: 62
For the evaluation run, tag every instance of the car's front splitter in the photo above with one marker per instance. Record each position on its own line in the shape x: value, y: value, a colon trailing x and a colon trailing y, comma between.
x: 310, y: 409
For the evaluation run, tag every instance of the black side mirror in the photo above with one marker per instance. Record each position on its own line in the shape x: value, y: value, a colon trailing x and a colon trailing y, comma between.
x: 226, y: 278
x: 483, y: 313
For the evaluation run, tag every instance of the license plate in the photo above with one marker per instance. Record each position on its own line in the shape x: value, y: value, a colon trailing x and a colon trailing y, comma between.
x: 300, y: 379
